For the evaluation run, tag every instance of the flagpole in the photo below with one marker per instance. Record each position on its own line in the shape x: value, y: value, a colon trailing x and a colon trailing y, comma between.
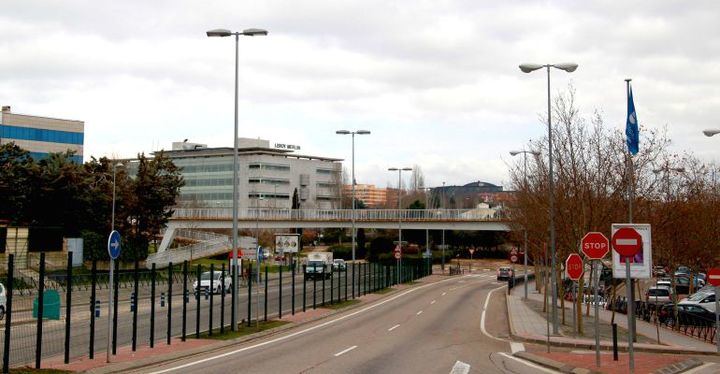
x: 630, y: 165
x: 631, y: 172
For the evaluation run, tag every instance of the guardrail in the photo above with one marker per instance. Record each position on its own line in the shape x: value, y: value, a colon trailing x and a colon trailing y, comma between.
x: 275, y: 214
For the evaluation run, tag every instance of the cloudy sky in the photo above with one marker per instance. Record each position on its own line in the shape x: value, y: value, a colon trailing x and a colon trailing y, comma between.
x: 436, y: 82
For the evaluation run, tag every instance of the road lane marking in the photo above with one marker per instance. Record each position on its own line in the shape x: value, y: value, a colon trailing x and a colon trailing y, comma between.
x: 516, y: 347
x: 482, y: 317
x: 393, y: 328
x: 536, y: 367
x: 345, y: 351
x: 418, y: 313
x: 444, y: 293
x: 460, y: 368
x: 432, y: 302
x: 301, y: 332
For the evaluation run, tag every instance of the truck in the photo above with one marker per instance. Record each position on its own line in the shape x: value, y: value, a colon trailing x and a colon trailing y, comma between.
x: 319, y: 264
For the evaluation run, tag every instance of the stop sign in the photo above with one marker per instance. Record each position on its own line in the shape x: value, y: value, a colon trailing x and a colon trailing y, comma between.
x: 626, y: 241
x: 714, y: 277
x: 574, y: 266
x: 595, y: 245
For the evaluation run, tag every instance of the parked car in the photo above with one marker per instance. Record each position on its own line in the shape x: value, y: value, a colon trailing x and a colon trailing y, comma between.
x: 703, y: 299
x: 505, y: 272
x: 339, y: 265
x: 682, y: 284
x: 659, y: 271
x: 213, y: 282
x: 667, y: 283
x: 682, y: 270
x: 659, y: 295
x: 694, y: 315
x: 3, y: 301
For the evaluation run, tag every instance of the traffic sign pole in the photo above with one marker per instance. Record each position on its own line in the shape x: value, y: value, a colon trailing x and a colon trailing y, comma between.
x: 113, y: 247
x: 597, y: 264
x: 630, y: 313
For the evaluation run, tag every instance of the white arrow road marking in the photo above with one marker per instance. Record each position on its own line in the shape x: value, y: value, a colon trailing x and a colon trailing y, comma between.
x: 345, y: 351
x: 393, y: 328
x: 460, y: 368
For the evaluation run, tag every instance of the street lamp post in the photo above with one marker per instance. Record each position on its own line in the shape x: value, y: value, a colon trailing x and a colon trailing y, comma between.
x: 352, y: 168
x: 442, y: 205
x: 525, y: 153
x: 568, y: 67
x: 399, y: 170
x: 224, y: 33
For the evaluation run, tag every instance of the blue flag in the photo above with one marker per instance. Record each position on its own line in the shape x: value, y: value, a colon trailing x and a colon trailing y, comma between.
x: 631, y: 127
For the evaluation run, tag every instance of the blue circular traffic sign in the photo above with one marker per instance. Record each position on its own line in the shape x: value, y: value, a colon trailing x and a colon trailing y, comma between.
x: 114, y: 244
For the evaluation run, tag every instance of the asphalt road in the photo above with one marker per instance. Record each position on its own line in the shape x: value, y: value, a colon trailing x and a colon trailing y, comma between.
x: 23, y: 339
x: 431, y: 328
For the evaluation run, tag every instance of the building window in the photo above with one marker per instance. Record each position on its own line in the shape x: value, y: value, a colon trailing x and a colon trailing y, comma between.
x: 264, y: 166
x: 326, y: 171
x: 208, y: 182
x: 269, y: 181
x: 262, y: 195
x: 41, y: 135
x: 206, y: 168
x: 326, y: 185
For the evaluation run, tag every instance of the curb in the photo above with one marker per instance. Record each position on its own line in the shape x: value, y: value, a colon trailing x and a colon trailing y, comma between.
x: 552, y: 364
x: 680, y: 367
x: 150, y: 361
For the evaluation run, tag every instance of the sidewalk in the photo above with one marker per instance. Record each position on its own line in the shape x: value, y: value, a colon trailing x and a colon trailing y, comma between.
x: 529, y: 325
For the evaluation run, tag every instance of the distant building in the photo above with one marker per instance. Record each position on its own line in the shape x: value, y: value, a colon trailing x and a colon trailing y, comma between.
x: 470, y: 195
x: 267, y: 177
x: 42, y: 135
x: 370, y: 195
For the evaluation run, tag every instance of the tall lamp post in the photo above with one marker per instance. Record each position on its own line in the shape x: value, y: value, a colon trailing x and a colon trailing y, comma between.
x: 568, y: 67
x: 399, y: 170
x: 442, y: 205
x: 525, y: 250
x: 352, y: 168
x: 224, y: 33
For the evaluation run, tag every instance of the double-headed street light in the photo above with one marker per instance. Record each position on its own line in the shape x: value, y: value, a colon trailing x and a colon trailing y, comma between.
x: 399, y: 170
x: 525, y: 153
x: 358, y: 132
x: 235, y: 299
x: 711, y: 132
x: 568, y: 67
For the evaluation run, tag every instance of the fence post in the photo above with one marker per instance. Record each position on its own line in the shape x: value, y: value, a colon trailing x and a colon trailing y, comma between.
x: 41, y: 290
x: 152, y: 306
x: 265, y: 301
x: 169, y: 302
x: 353, y: 280
x: 323, y: 285
x: 249, y: 300
x: 93, y: 281
x: 185, y: 300
x: 304, y: 286
x: 314, y: 287
x: 222, y: 298
x: 8, y: 314
x: 115, y: 306
x: 292, y: 262
x: 346, y: 282
x: 212, y: 292
x: 68, y: 304
x: 197, y: 301
x: 280, y: 292
x: 332, y: 283
x: 135, y: 309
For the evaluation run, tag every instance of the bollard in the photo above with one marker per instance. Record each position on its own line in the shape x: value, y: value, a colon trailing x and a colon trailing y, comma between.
x: 162, y: 299
x: 615, y: 345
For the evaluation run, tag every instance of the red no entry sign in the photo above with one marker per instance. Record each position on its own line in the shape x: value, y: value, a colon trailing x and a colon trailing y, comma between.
x: 574, y: 266
x: 595, y: 245
x: 714, y: 277
x: 627, y: 241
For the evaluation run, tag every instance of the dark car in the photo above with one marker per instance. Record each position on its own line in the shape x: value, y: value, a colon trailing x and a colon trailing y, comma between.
x: 687, y: 315
x: 505, y: 272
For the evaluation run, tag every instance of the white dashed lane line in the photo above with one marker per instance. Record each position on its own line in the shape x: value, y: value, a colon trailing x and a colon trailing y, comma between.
x: 418, y: 313
x: 345, y: 351
x: 432, y: 302
x: 444, y: 293
x: 393, y: 328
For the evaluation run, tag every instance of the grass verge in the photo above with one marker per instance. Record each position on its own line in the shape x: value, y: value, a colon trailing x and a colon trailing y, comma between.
x: 342, y: 304
x: 383, y: 291
x: 242, y: 330
x: 33, y: 370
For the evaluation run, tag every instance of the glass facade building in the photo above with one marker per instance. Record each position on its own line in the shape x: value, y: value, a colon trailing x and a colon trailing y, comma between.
x: 42, y: 135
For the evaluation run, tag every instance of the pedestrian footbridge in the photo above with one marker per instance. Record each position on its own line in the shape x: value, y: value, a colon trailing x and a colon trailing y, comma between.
x: 272, y: 218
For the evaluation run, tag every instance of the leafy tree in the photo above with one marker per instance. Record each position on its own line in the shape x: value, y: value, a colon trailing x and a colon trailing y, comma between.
x: 17, y: 171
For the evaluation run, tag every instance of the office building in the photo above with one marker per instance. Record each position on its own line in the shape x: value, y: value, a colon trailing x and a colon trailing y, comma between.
x: 42, y: 135
x: 267, y: 176
x: 370, y: 195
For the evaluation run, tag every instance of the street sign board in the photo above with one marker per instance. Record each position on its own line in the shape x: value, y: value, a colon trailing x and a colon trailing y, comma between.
x: 287, y: 243
x: 627, y: 242
x: 114, y: 245
x: 641, y: 262
x: 397, y: 255
x: 513, y: 259
x: 574, y: 266
x: 713, y: 276
x: 472, y: 250
x: 595, y: 245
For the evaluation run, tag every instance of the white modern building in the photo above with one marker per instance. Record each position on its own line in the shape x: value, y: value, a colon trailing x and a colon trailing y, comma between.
x: 267, y: 176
